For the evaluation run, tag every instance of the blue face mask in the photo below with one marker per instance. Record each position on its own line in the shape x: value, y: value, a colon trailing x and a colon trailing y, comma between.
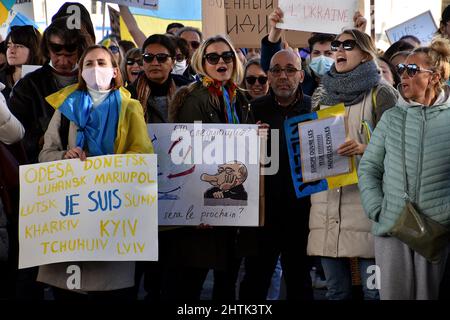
x: 321, y: 65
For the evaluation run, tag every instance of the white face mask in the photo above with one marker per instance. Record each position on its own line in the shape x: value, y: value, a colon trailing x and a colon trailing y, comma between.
x: 98, y: 78
x: 179, y: 67
x: 321, y: 65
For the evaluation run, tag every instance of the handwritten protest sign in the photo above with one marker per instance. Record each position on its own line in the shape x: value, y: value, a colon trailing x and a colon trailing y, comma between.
x: 319, y: 141
x: 101, y: 209
x: 291, y: 127
x: 422, y: 26
x: 208, y: 173
x: 245, y: 22
x: 327, y: 16
x: 144, y: 4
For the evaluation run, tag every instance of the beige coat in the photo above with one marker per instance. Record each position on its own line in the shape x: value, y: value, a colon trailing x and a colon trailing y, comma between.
x: 94, y: 276
x: 338, y: 225
x: 131, y: 137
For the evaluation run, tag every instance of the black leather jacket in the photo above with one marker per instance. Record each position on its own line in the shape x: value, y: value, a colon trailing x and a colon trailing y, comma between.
x: 28, y: 104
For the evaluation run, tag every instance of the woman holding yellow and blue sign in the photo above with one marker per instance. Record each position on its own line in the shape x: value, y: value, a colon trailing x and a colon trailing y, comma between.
x: 339, y: 230
x: 99, y: 118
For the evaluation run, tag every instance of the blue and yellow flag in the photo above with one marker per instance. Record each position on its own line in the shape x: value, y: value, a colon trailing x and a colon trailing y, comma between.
x: 5, y: 6
x: 187, y: 12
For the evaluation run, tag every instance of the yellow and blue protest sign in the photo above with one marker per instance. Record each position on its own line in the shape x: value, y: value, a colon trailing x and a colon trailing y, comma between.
x: 101, y: 209
x: 327, y: 155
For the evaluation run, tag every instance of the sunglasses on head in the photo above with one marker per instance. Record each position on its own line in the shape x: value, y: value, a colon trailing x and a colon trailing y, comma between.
x: 131, y: 61
x: 252, y: 80
x: 194, y: 44
x: 347, y: 45
x: 114, y: 49
x: 214, y: 58
x: 160, y: 57
x: 411, y: 69
x: 56, y: 47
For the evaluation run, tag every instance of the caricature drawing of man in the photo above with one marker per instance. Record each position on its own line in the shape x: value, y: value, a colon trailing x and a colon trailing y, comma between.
x: 227, y: 185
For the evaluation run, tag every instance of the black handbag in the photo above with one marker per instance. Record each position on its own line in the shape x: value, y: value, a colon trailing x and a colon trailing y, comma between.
x: 421, y: 233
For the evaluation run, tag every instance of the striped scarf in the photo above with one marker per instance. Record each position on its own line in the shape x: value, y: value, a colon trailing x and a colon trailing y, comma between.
x: 226, y: 91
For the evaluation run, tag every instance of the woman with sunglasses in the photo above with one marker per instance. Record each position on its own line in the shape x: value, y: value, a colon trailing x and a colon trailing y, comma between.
x: 214, y: 98
x: 22, y: 47
x: 103, y: 120
x: 407, y: 159
x: 339, y: 230
x: 155, y: 89
x: 113, y: 46
x: 156, y: 86
x: 132, y: 66
x: 255, y: 80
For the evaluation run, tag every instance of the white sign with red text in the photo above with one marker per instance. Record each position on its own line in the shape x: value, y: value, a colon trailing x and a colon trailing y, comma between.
x: 326, y: 16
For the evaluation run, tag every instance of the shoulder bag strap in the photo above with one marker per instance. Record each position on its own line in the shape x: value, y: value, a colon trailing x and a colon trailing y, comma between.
x: 408, y: 202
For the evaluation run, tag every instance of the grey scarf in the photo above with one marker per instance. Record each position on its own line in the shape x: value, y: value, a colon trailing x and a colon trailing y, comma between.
x: 350, y: 87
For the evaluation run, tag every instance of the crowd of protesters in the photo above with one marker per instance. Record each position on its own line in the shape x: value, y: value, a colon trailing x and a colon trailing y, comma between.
x: 397, y: 115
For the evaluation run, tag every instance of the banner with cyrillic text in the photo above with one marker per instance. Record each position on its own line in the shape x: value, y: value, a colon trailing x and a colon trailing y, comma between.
x: 101, y: 209
x: 327, y: 16
x: 207, y: 174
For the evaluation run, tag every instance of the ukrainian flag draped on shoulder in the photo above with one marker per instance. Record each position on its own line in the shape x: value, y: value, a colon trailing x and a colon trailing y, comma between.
x: 128, y: 136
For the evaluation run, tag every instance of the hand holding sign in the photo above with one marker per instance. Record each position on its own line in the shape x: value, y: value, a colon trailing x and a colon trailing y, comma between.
x: 274, y: 18
x: 75, y: 153
x: 351, y: 148
x: 359, y: 21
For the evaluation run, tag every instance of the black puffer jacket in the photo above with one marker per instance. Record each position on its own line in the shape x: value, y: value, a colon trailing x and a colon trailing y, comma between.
x: 4, y: 78
x: 279, y: 187
x: 156, y: 97
x: 28, y: 104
